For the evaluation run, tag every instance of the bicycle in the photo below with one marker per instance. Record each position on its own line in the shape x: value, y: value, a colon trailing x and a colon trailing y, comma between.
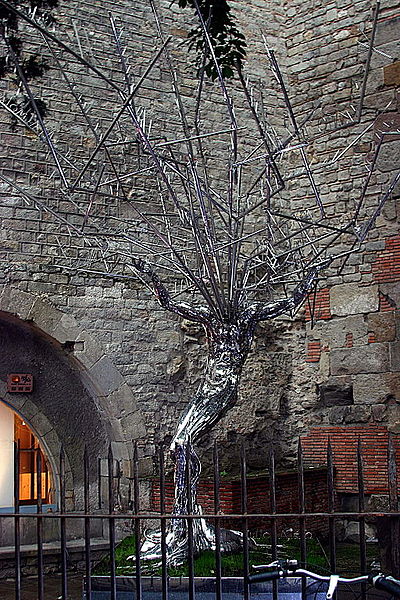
x: 290, y: 568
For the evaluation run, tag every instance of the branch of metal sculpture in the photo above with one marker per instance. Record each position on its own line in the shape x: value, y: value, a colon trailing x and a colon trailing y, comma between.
x: 203, y: 209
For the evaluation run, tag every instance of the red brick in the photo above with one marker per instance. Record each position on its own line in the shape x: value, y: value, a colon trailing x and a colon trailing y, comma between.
x: 321, y: 304
x: 386, y: 268
x: 344, y: 441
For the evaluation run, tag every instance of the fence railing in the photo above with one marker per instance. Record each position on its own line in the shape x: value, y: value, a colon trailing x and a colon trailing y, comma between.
x: 279, y: 512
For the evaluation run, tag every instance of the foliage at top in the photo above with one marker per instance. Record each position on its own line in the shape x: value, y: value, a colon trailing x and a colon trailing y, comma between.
x: 15, y: 61
x: 228, y: 43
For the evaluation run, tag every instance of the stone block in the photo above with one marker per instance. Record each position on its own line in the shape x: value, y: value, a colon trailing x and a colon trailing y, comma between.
x: 383, y: 325
x: 119, y: 450
x: 358, y: 414
x: 389, y: 157
x: 392, y: 291
x: 105, y: 377
x: 352, y: 299
x: 89, y: 351
x: 394, y: 350
x: 338, y: 414
x: 67, y: 329
x: 387, y: 31
x: 41, y: 424
x: 16, y: 302
x: 391, y: 74
x: 45, y: 316
x: 333, y: 333
x: 122, y: 401
x: 376, y: 388
x: 364, y: 359
x: 378, y: 412
x: 133, y: 426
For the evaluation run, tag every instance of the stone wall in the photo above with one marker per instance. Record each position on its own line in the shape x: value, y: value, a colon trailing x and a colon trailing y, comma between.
x: 145, y: 363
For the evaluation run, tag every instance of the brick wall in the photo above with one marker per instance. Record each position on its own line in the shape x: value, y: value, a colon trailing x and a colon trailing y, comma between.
x: 344, y: 441
x: 386, y: 267
x: 317, y: 305
x: 259, y: 499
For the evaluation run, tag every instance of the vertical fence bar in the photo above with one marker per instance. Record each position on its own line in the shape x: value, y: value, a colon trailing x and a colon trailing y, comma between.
x: 63, y: 537
x: 99, y: 484
x: 394, y: 507
x: 111, y: 523
x: 302, y: 520
x: 331, y: 508
x: 243, y: 479
x: 163, y: 528
x: 17, y: 523
x: 274, y: 528
x: 217, y: 510
x: 190, y: 523
x: 136, y: 508
x: 361, y: 521
x: 86, y: 500
x: 39, y: 525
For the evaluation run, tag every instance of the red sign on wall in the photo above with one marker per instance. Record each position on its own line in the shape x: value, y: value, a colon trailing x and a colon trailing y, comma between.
x: 19, y: 382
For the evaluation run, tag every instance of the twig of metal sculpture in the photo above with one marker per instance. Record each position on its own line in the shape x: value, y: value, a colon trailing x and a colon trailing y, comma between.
x: 198, y: 207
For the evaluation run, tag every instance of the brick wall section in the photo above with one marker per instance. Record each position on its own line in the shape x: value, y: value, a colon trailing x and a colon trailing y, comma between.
x: 314, y: 350
x: 386, y: 303
x: 318, y: 304
x: 344, y: 440
x: 258, y: 498
x: 349, y: 340
x: 386, y: 268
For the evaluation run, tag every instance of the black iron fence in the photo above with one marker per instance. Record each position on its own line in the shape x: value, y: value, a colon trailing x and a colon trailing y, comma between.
x: 299, y: 511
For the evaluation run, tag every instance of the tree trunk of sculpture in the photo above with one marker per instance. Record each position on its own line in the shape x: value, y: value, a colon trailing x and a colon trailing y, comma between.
x: 229, y: 344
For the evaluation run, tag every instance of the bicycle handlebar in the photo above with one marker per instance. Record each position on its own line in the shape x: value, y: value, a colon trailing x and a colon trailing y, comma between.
x: 289, y: 569
x: 388, y: 584
x: 267, y: 576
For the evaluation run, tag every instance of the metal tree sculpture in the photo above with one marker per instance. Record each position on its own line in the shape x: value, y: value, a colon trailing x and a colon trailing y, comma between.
x: 202, y: 204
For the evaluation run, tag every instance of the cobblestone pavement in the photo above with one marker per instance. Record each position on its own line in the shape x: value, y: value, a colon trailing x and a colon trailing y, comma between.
x: 52, y: 588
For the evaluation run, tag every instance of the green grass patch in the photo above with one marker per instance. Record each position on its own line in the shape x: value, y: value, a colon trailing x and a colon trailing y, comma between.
x: 347, y: 558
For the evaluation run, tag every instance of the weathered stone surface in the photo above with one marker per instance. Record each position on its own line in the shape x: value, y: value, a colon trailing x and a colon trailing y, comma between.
x: 395, y: 356
x: 388, y: 31
x: 365, y: 359
x: 383, y: 325
x: 67, y: 329
x: 351, y: 299
x: 358, y: 414
x: 376, y: 388
x: 16, y: 301
x: 334, y: 333
x: 105, y: 376
x: 392, y: 290
x: 176, y: 367
x: 391, y: 74
x: 378, y: 412
x: 338, y: 414
x: 45, y: 316
x: 89, y: 350
x: 41, y: 424
x: 389, y: 156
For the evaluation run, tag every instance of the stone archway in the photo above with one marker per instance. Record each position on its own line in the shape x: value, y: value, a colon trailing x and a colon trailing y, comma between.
x: 79, y: 397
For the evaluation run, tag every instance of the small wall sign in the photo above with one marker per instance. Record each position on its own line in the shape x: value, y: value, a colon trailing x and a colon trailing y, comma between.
x: 20, y: 382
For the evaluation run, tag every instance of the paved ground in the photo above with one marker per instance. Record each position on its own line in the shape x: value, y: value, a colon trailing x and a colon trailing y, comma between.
x: 51, y: 590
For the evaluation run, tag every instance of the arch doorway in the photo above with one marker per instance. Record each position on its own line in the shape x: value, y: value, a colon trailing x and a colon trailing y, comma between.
x: 32, y: 487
